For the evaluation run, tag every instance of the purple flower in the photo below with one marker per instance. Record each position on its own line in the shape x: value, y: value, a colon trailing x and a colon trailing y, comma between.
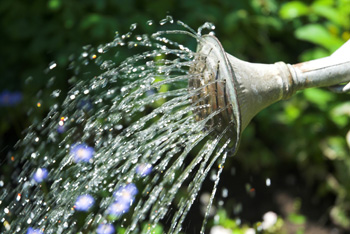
x: 144, y: 169
x: 84, y: 202
x: 10, y: 98
x: 61, y: 129
x: 124, y: 197
x: 40, y: 175
x: 126, y: 193
x: 105, y: 229
x: 34, y: 231
x: 85, y: 105
x: 118, y: 208
x: 81, y: 153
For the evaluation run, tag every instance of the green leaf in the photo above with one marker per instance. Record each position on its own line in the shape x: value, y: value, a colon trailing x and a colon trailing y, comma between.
x: 340, y: 217
x: 292, y: 112
x: 293, y: 10
x: 157, y: 229
x: 319, y: 97
x: 315, y: 53
x: 327, y: 12
x: 121, y: 230
x: 229, y: 223
x: 340, y: 114
x: 325, y: 2
x: 296, y: 218
x: 90, y: 20
x: 318, y: 34
x: 334, y: 148
x: 54, y: 4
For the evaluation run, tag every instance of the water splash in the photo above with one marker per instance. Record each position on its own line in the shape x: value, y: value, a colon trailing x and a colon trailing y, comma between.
x: 208, y: 26
x: 139, y: 113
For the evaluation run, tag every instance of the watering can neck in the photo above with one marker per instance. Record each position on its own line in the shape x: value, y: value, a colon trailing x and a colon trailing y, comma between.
x: 238, y: 90
x: 324, y: 72
x: 260, y: 85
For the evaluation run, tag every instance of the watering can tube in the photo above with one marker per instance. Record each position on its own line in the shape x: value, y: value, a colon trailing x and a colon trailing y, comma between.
x: 328, y: 71
x: 246, y: 88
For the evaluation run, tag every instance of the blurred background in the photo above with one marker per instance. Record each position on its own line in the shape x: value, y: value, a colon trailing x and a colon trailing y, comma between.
x: 294, y: 158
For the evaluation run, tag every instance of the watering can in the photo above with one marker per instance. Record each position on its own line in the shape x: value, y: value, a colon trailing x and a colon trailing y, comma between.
x: 241, y: 89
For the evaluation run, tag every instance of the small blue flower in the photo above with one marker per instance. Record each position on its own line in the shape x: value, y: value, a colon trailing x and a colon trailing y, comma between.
x: 61, y: 129
x: 40, y: 175
x: 81, y: 153
x: 126, y: 193
x: 144, y: 169
x: 118, y: 208
x: 85, y: 105
x: 8, y: 98
x: 105, y: 229
x: 34, y: 231
x: 84, y: 202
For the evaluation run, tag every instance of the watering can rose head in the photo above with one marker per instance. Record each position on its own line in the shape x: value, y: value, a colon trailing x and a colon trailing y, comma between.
x: 234, y: 91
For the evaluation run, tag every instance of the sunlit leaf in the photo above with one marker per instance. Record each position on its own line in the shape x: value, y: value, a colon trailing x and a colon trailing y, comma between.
x: 319, y: 97
x: 297, y: 218
x: 328, y: 12
x: 54, y: 4
x: 148, y: 228
x: 340, y: 114
x: 315, y: 53
x: 318, y: 34
x: 338, y: 215
x: 292, y: 112
x: 334, y: 148
x: 293, y: 10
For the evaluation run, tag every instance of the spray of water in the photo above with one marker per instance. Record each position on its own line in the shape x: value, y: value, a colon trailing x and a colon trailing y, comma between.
x: 124, y: 151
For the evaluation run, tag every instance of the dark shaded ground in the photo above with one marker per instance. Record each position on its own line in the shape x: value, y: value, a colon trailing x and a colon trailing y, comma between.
x: 288, y: 194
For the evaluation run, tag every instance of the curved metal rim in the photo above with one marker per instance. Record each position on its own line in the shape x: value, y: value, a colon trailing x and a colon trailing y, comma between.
x: 218, y: 53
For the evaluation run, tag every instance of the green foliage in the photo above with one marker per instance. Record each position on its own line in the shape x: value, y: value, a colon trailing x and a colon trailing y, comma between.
x: 154, y: 229
x: 294, y: 9
x: 296, y: 219
x: 318, y: 34
x: 327, y: 23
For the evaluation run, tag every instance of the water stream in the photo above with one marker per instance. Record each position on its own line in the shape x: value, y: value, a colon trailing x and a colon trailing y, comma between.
x: 124, y: 151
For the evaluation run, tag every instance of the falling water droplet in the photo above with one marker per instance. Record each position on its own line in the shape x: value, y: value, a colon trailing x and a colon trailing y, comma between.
x: 224, y: 192
x: 56, y: 93
x: 133, y: 26
x: 207, y: 25
x: 52, y: 65
x: 167, y: 19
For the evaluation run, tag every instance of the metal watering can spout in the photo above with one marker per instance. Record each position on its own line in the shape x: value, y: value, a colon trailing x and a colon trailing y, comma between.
x: 241, y: 89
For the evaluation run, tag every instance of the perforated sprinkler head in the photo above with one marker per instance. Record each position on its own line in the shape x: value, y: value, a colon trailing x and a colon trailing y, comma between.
x: 213, y: 76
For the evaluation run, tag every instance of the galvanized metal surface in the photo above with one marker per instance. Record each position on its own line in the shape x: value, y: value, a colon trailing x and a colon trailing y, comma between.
x: 324, y: 72
x: 213, y: 73
x: 246, y: 88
